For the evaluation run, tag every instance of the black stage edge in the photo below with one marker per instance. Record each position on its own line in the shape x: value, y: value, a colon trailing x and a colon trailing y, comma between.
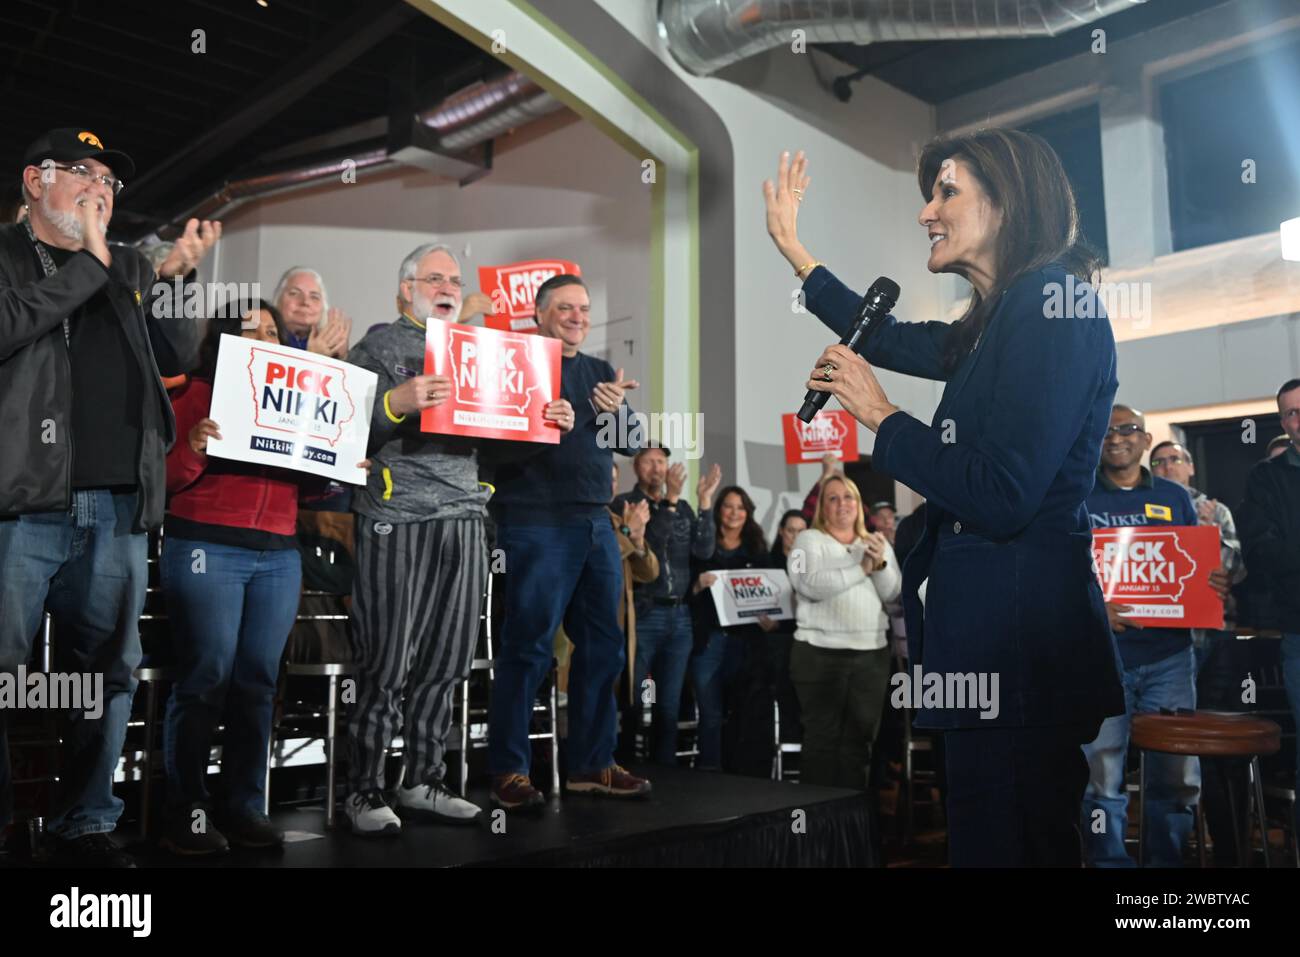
x: 691, y: 819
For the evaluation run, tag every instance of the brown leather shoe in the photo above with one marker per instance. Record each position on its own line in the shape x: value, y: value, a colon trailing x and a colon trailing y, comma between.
x: 613, y: 781
x: 515, y: 792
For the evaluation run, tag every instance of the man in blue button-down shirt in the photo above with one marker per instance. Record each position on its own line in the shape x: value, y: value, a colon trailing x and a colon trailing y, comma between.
x: 663, y: 631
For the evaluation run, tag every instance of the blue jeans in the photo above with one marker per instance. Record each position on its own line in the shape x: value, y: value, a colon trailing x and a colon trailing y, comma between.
x: 231, y: 610
x: 1291, y: 679
x: 1173, y: 781
x: 90, y: 570
x: 663, y: 650
x: 713, y: 671
x: 571, y: 575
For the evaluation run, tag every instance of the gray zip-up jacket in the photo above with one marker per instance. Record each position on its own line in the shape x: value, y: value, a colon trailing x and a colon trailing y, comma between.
x: 416, y: 476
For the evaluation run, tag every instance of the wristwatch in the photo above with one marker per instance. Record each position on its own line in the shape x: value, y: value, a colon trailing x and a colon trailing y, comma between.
x: 625, y: 530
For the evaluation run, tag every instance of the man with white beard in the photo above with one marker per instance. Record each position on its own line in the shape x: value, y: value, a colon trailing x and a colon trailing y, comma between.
x: 82, y: 478
x: 421, y: 563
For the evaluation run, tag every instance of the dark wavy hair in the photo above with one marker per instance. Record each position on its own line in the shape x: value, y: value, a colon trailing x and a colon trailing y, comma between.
x: 1025, y: 182
x: 751, y: 535
x: 231, y: 325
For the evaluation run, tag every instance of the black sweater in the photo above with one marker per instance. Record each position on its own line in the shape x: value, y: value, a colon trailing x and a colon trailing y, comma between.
x: 1269, y: 524
x: 704, y: 613
x: 558, y: 484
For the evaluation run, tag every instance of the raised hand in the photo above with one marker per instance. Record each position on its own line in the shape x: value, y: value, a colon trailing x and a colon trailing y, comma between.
x: 635, y: 517
x: 475, y: 303
x: 707, y: 486
x: 608, y: 396
x: 782, y: 200
x: 675, y: 482
x: 190, y: 247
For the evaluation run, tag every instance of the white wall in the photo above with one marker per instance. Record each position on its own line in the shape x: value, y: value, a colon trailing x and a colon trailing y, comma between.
x: 568, y: 193
x: 859, y: 217
x: 1219, y: 331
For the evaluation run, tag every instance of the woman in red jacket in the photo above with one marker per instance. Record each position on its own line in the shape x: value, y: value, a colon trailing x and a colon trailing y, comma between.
x: 231, y: 577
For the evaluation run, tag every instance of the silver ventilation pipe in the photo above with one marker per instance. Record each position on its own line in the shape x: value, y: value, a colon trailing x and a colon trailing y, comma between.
x: 463, y: 120
x: 486, y: 110
x: 706, y: 35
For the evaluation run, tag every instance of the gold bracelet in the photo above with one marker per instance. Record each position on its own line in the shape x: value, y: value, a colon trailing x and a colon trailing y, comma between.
x: 799, y: 273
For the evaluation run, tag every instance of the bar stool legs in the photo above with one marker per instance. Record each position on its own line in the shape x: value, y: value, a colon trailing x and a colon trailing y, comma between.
x: 146, y: 780
x: 1142, y: 799
x: 1199, y: 811
x: 1257, y: 786
x: 331, y: 720
x: 1257, y: 798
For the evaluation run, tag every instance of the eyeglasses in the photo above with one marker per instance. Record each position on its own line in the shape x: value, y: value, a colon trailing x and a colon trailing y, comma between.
x: 1128, y: 428
x: 86, y: 173
x: 1164, y: 460
x: 438, y: 279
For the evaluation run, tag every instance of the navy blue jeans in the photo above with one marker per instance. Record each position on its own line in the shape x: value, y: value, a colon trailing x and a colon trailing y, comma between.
x: 1173, y: 781
x: 90, y: 570
x: 231, y: 610
x: 713, y: 673
x: 571, y: 575
x: 1291, y: 679
x: 664, y: 638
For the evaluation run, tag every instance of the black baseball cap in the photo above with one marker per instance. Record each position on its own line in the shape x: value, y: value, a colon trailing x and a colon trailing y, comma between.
x: 650, y: 447
x: 69, y: 144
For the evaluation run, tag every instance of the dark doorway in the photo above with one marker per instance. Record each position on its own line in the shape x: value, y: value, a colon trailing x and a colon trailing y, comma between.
x: 875, y: 486
x: 1223, y: 457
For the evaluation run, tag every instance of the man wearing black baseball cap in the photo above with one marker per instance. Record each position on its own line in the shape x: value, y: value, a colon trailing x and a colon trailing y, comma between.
x: 82, y: 478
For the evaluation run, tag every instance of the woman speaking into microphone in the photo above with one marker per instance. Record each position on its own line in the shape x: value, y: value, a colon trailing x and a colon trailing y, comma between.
x: 1011, y: 603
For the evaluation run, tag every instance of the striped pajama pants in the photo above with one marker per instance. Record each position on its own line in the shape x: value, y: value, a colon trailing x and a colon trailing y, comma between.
x: 415, y: 622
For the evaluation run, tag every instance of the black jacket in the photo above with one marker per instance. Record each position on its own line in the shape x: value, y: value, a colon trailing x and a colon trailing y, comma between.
x: 36, y: 370
x: 678, y: 537
x: 1269, y: 525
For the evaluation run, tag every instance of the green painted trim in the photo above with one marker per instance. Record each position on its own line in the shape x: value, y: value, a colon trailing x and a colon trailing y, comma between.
x: 658, y: 271
x: 658, y: 218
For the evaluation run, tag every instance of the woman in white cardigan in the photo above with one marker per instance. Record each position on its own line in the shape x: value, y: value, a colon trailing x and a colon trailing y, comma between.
x: 842, y: 575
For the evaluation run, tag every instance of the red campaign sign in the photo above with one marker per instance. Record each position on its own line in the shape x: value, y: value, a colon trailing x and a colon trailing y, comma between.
x: 512, y: 288
x: 1162, y: 572
x: 835, y: 431
x: 500, y: 382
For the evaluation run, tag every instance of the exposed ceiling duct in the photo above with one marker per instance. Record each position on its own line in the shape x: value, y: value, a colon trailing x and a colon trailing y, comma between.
x: 459, y: 123
x: 484, y: 111
x: 706, y: 35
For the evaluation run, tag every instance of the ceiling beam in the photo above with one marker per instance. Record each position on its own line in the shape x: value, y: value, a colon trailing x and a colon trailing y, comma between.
x: 348, y: 40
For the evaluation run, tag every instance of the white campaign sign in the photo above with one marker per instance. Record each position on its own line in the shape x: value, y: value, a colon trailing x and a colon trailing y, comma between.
x: 742, y: 594
x: 276, y: 405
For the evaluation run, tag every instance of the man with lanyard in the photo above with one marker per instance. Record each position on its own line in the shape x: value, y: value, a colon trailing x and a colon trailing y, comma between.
x: 85, y: 332
x: 1157, y: 667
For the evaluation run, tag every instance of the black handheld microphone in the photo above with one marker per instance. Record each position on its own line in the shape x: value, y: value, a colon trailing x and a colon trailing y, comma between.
x: 876, y: 305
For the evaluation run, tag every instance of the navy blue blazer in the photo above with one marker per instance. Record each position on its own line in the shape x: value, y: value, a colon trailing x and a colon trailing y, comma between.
x: 1005, y: 465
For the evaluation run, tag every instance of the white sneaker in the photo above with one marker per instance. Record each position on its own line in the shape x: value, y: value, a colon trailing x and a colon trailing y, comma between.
x: 370, y: 815
x: 434, y: 799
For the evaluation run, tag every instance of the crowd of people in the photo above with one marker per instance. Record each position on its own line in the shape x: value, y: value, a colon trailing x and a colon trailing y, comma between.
x: 101, y: 454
